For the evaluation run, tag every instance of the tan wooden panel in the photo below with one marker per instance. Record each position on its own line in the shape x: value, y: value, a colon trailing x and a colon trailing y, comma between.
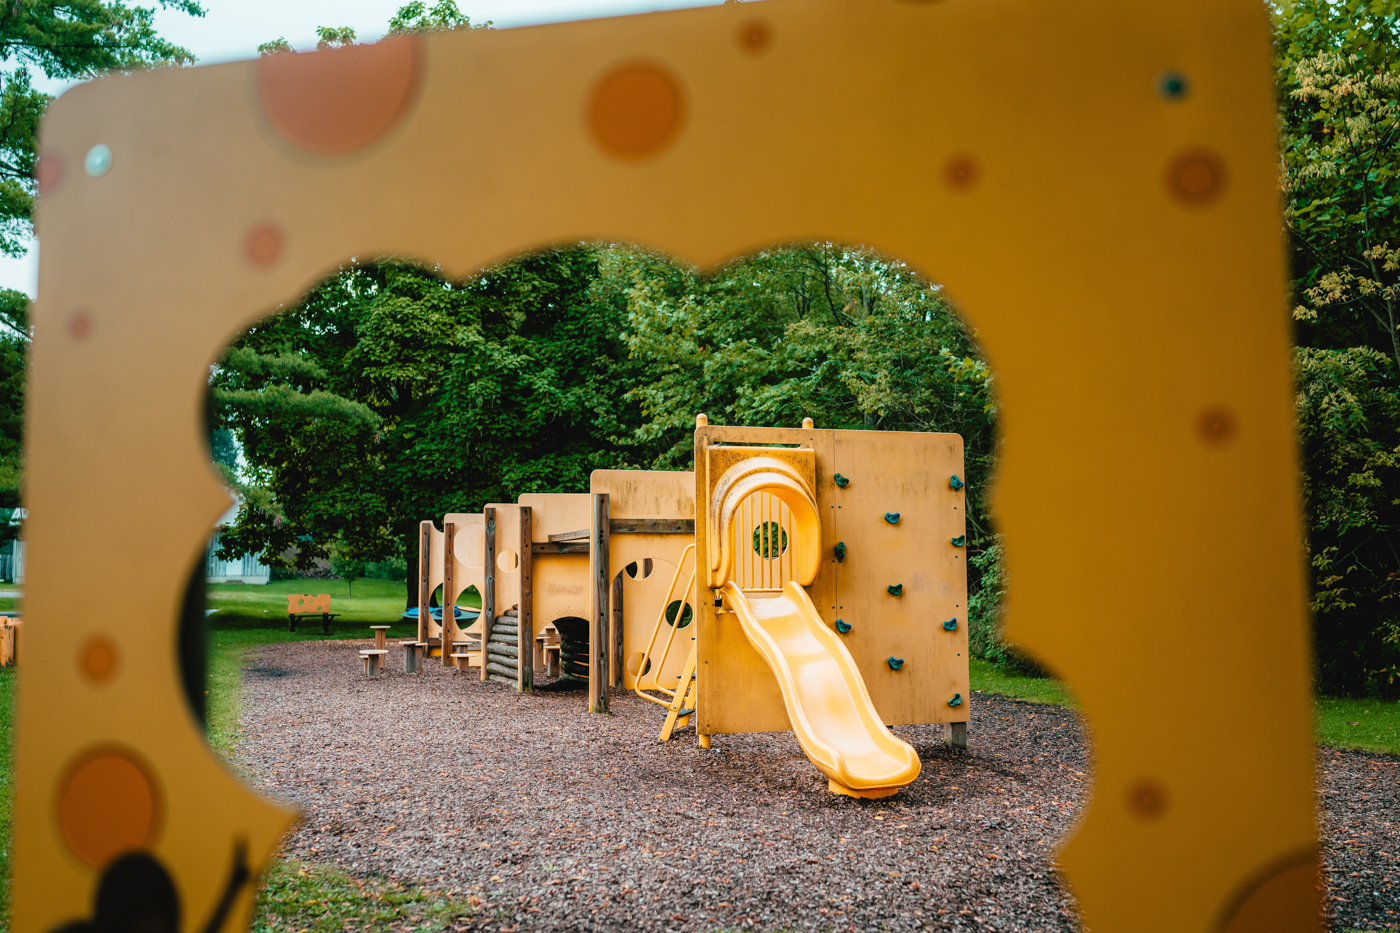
x: 908, y: 474
x: 562, y: 587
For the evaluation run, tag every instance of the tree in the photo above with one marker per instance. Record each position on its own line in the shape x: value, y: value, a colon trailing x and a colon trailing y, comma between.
x: 1339, y: 118
x: 64, y: 40
x: 387, y: 396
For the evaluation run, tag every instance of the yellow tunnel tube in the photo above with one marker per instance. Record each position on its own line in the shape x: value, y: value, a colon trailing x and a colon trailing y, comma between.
x: 827, y: 703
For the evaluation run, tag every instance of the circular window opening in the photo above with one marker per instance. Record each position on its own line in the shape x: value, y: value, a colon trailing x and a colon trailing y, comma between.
x: 770, y: 541
x: 508, y: 561
x: 686, y: 617
x: 639, y: 570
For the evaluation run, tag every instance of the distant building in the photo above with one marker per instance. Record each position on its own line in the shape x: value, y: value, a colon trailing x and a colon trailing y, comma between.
x: 247, y: 569
x: 12, y: 552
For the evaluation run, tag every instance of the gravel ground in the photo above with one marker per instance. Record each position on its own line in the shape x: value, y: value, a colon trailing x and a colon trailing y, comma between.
x: 559, y: 820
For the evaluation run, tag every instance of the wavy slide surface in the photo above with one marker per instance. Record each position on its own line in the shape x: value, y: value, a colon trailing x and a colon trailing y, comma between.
x: 826, y: 698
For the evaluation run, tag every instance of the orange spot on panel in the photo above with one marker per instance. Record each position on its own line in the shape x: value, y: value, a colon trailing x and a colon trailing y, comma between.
x: 961, y: 172
x: 1285, y: 897
x: 263, y: 246
x: 107, y: 805
x: 49, y: 172
x: 97, y: 659
x: 1216, y: 425
x: 79, y: 326
x: 755, y: 36
x: 636, y: 111
x: 1196, y: 177
x: 338, y: 101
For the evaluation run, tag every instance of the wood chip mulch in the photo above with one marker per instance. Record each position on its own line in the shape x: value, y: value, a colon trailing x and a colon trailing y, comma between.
x: 548, y: 818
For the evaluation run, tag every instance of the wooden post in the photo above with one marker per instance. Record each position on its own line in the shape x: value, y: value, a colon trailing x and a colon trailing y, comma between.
x: 524, y: 659
x: 488, y: 599
x: 599, y: 644
x: 449, y: 612
x: 425, y: 552
x: 617, y: 634
x: 957, y: 734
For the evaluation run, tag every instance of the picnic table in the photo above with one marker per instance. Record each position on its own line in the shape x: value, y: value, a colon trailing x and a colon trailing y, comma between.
x: 299, y: 605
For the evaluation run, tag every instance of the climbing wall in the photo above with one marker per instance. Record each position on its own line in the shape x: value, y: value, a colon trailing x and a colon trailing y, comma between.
x: 898, y: 589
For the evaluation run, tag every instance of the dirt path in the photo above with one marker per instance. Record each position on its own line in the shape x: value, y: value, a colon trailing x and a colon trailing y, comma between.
x: 560, y: 820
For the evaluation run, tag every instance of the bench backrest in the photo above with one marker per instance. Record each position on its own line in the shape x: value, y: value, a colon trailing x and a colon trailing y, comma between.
x: 299, y: 603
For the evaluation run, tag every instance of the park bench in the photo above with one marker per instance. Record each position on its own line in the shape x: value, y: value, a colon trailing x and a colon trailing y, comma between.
x: 299, y: 605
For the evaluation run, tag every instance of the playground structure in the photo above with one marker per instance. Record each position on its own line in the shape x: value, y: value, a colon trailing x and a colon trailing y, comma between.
x: 1149, y: 170
x: 829, y: 595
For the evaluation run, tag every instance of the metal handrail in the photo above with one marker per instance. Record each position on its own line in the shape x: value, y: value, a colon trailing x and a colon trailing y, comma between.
x: 642, y: 667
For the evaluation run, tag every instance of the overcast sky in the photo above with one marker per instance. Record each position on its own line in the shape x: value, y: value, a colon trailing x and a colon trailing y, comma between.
x: 233, y: 30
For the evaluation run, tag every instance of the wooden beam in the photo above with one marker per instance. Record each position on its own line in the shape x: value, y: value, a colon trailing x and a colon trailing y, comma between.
x: 525, y: 662
x: 652, y: 526
x: 449, y: 613
x: 617, y: 639
x: 425, y: 560
x: 488, y: 599
x: 599, y: 646
x: 559, y: 547
x: 581, y: 535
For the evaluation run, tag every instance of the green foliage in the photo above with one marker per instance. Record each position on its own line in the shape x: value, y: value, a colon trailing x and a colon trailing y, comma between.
x: 419, y: 17
x: 1339, y: 82
x: 840, y: 335
x: 74, y: 39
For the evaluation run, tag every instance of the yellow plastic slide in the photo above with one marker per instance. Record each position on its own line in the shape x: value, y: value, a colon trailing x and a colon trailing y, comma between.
x: 826, y: 698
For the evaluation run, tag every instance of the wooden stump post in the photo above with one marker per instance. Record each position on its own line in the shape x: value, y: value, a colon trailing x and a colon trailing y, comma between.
x: 524, y: 661
x: 425, y: 557
x: 449, y: 613
x: 488, y: 599
x: 957, y: 734
x: 600, y: 647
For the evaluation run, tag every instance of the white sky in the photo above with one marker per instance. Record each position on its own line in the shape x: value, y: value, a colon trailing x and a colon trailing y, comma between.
x: 233, y: 29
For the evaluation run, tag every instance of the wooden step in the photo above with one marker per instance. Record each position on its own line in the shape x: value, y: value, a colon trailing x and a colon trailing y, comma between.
x: 499, y: 679
x: 509, y: 651
x: 493, y: 668
x: 503, y: 660
x: 503, y: 640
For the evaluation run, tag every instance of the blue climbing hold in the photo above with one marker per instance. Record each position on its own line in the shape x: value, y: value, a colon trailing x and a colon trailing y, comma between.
x: 841, y: 480
x: 951, y: 625
x: 959, y: 541
x: 843, y: 626
x: 896, y: 663
x: 892, y: 518
x: 955, y: 482
x: 895, y: 589
x: 840, y: 552
x: 955, y: 700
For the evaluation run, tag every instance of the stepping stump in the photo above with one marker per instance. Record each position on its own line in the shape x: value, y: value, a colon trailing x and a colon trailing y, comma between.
x: 412, y: 655
x: 374, y: 660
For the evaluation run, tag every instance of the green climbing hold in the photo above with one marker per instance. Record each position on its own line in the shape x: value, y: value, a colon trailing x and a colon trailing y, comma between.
x: 843, y: 626
x: 892, y: 518
x: 955, y: 482
x: 959, y: 541
x: 841, y: 480
x: 895, y: 589
x: 840, y: 552
x: 897, y: 663
x: 951, y: 625
x: 956, y: 700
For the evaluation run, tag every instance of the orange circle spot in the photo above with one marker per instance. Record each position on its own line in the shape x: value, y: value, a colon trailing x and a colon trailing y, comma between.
x: 107, y: 805
x: 1147, y: 799
x: 263, y: 245
x: 1196, y: 177
x: 49, y: 172
x: 1217, y: 425
x: 338, y: 101
x: 97, y: 659
x: 636, y: 111
x: 755, y: 36
x: 79, y: 326
x: 961, y: 172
